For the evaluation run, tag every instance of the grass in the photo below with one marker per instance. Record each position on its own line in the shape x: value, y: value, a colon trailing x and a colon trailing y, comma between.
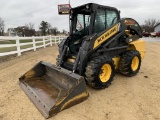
x: 8, y: 49
x: 26, y: 46
x: 38, y: 44
x: 8, y: 42
x: 25, y: 41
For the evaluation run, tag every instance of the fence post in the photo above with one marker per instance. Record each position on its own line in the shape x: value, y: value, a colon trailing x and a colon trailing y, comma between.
x: 18, y: 46
x: 55, y: 42
x: 50, y: 38
x: 34, y: 43
x: 59, y: 40
x: 44, y: 44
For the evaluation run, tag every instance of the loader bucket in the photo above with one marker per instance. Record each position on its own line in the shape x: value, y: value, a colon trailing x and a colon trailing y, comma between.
x: 53, y: 89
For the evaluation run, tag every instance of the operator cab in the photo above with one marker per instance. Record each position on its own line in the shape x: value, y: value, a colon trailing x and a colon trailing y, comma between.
x: 92, y: 18
x: 87, y: 20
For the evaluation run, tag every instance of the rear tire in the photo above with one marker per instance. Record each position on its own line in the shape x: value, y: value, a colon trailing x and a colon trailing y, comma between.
x: 130, y: 63
x: 100, y: 72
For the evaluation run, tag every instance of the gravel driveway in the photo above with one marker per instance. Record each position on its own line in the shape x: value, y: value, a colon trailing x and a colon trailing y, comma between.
x: 128, y: 98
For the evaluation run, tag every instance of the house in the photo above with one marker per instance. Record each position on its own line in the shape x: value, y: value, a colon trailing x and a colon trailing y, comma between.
x: 157, y: 28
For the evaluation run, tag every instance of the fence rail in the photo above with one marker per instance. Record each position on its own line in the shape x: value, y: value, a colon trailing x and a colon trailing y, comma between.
x: 31, y: 43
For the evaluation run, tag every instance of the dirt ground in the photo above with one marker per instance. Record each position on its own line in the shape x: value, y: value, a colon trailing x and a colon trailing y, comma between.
x: 128, y: 98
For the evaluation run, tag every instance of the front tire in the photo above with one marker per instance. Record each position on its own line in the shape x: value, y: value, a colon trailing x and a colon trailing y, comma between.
x: 100, y: 72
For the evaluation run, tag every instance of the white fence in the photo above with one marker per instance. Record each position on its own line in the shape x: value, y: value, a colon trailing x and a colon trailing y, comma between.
x: 33, y: 44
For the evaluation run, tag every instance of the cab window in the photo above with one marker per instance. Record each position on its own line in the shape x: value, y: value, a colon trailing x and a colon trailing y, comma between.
x: 104, y: 19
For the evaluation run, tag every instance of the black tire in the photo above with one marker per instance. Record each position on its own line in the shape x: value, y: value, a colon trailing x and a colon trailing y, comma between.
x: 94, y: 70
x: 125, y: 65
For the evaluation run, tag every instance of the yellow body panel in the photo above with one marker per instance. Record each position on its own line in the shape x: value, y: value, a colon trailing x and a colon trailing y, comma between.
x: 116, y: 62
x: 106, y: 36
x: 71, y: 60
x: 138, y: 45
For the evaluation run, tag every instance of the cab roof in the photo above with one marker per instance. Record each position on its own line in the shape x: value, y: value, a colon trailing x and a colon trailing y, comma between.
x: 94, y: 5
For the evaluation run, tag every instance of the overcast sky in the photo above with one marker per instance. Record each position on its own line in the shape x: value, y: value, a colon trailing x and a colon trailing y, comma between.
x: 19, y: 12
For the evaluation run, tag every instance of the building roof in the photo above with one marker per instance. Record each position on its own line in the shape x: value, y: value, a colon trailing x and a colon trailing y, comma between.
x: 157, y: 25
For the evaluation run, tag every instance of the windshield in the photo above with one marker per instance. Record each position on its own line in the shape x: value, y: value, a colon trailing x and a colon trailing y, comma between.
x: 82, y: 24
x: 104, y: 20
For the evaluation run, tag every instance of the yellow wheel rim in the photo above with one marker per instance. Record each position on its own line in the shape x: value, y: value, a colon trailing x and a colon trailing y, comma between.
x: 105, y: 73
x: 135, y: 63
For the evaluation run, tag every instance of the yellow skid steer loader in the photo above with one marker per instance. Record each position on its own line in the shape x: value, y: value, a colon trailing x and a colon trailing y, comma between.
x: 100, y: 43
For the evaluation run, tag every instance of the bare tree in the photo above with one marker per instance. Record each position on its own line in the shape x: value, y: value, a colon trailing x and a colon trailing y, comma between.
x: 2, y: 25
x: 30, y: 26
x: 150, y: 24
x: 49, y: 28
x: 54, y: 30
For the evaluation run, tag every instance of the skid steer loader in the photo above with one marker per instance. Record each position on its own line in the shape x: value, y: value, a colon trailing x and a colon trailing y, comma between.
x: 100, y: 43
